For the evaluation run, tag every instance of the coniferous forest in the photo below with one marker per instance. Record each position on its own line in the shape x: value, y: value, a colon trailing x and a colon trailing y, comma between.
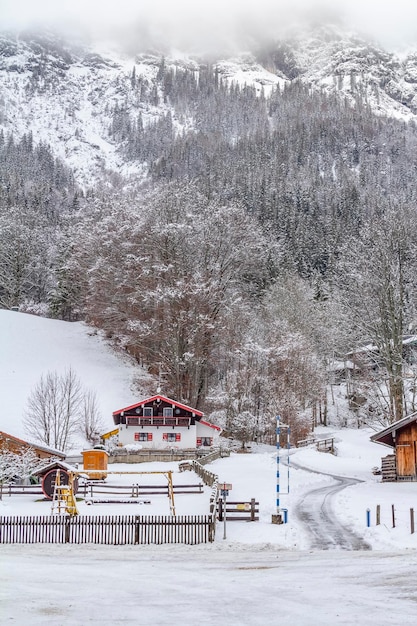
x: 269, y: 235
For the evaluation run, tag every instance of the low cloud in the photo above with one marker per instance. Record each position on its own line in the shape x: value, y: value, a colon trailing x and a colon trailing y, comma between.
x: 190, y: 22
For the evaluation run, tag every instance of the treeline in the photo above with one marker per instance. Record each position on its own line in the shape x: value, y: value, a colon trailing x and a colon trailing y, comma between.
x: 37, y: 192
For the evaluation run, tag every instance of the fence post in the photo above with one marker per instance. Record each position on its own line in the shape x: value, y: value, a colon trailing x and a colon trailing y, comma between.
x: 212, y: 528
x: 252, y: 510
x: 412, y: 520
x: 393, y: 515
x: 368, y: 517
x: 378, y: 514
x: 220, y: 509
x: 136, y: 530
x: 67, y: 529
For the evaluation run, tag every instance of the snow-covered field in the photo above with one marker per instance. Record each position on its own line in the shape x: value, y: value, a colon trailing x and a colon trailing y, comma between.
x: 261, y: 573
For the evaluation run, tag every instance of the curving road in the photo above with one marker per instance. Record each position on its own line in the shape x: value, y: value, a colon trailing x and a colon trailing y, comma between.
x: 316, y: 513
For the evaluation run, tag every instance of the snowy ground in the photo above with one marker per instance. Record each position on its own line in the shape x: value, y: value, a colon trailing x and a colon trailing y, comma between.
x: 260, y: 573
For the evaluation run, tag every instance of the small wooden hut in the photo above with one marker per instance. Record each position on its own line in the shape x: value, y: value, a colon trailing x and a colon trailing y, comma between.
x: 93, y: 461
x: 401, y: 436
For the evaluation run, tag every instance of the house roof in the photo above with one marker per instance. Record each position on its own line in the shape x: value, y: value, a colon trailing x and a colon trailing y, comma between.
x: 387, y: 436
x: 161, y: 399
x: 21, y: 442
x: 204, y: 423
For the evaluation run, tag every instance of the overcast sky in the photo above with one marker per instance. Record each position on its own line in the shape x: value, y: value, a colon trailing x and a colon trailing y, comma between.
x: 394, y: 22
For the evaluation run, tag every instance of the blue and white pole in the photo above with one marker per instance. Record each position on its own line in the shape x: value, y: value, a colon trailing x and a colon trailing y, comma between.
x: 279, y: 426
x: 278, y: 460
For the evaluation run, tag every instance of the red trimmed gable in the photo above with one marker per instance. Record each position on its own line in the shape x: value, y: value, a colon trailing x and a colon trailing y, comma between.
x: 178, y: 405
x: 210, y: 425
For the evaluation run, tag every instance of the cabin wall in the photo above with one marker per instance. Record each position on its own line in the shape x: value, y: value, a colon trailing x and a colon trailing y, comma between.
x: 406, y: 450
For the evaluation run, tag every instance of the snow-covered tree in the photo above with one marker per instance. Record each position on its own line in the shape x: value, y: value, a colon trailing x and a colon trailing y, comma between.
x: 379, y: 287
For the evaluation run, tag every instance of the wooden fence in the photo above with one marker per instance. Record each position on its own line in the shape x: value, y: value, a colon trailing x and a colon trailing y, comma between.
x: 206, y: 476
x: 108, y: 529
x: 12, y: 490
x: 91, y: 489
x: 325, y: 445
x: 238, y: 511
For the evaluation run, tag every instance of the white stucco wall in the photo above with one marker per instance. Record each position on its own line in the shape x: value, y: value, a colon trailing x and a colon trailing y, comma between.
x: 188, y: 436
x: 207, y: 431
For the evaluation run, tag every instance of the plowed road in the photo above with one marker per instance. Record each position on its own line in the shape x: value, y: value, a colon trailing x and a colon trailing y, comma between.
x: 314, y: 510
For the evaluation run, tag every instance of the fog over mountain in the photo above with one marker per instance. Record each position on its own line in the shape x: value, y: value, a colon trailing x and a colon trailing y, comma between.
x: 186, y: 24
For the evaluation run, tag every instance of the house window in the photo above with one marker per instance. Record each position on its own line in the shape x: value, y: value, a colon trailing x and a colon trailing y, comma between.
x: 168, y: 412
x: 171, y: 437
x: 147, y: 411
x: 204, y: 441
x: 143, y: 436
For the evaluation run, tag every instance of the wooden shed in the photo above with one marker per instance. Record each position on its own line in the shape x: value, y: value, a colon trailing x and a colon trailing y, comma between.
x: 95, y: 460
x: 401, y: 436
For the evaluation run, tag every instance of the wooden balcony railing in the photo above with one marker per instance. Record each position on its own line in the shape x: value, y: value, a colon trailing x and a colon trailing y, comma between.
x: 159, y: 420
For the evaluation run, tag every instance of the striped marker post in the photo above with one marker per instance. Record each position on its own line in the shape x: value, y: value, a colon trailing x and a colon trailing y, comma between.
x: 279, y: 426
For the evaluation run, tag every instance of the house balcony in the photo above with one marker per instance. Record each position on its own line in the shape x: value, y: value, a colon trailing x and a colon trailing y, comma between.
x: 133, y: 420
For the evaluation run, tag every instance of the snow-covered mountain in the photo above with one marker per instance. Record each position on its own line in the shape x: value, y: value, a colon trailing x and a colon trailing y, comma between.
x: 65, y: 92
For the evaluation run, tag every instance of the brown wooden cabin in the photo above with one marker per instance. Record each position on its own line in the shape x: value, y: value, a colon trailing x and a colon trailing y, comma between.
x: 9, y: 443
x: 402, y: 437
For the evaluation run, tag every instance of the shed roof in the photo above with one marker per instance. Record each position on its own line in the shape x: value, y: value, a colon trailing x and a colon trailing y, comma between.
x: 161, y: 399
x: 387, y: 436
x: 61, y: 465
x: 36, y: 446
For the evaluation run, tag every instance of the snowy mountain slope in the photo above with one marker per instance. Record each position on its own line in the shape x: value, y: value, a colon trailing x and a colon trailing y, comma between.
x: 65, y: 93
x: 33, y: 346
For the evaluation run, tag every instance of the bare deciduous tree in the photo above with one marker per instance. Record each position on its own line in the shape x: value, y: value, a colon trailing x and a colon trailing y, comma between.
x: 58, y: 407
x: 91, y: 421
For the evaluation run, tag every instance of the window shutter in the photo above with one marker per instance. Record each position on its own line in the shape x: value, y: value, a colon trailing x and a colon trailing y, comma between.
x: 165, y: 436
x: 199, y: 441
x: 177, y: 436
x: 149, y: 436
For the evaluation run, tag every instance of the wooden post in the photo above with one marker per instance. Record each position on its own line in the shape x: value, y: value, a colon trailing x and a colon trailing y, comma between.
x: 412, y: 521
x: 252, y: 510
x: 220, y: 509
x: 378, y: 514
x: 67, y: 529
x: 393, y: 515
x: 137, y: 523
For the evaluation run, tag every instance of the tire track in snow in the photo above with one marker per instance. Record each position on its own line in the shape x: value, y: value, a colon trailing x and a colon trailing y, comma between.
x: 316, y: 513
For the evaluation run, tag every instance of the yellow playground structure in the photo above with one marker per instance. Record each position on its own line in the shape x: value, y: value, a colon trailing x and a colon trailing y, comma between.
x: 64, y: 501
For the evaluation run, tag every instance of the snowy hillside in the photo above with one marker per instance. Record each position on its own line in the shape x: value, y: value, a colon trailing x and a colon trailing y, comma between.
x: 32, y: 346
x: 66, y: 93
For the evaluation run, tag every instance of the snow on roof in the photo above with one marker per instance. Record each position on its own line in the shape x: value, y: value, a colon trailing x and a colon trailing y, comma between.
x: 37, y: 446
x: 386, y: 436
